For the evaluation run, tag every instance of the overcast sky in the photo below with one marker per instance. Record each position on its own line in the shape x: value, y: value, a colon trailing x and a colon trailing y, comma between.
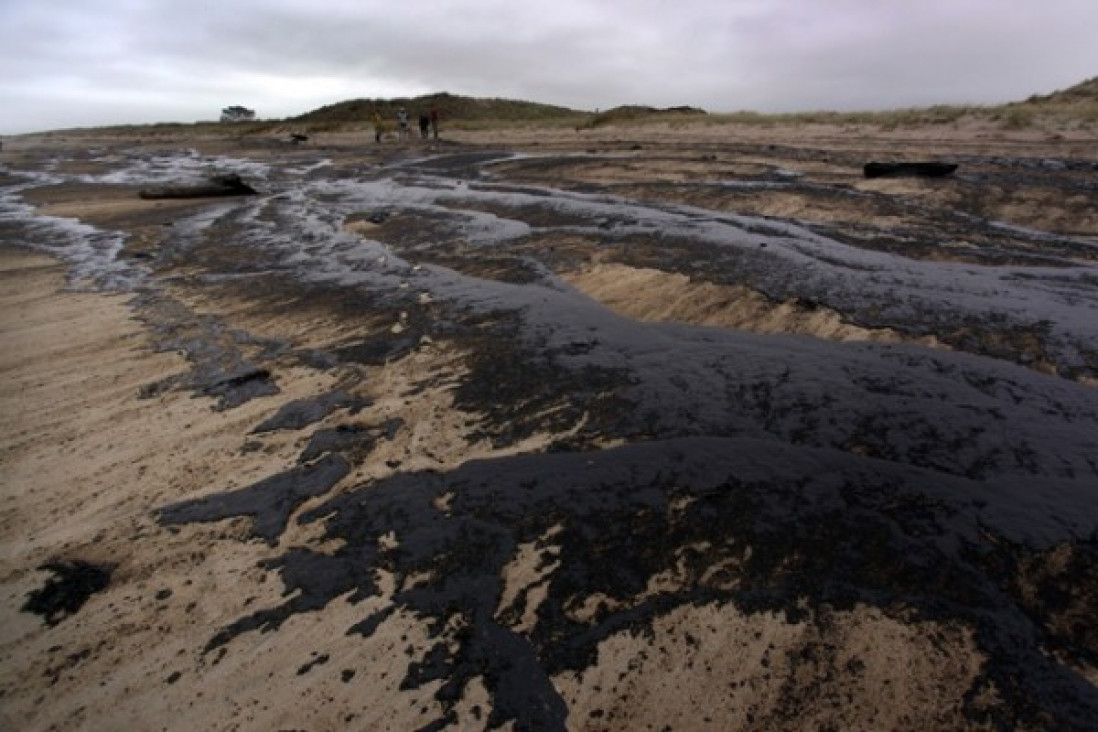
x: 68, y: 63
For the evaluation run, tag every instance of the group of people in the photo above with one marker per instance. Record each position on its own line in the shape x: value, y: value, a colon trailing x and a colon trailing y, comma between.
x: 428, y: 125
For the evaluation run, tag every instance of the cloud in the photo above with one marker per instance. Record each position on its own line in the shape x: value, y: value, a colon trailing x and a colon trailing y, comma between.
x: 106, y: 61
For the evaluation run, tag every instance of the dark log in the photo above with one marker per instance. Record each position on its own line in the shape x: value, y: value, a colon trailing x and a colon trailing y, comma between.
x: 217, y: 185
x: 893, y: 170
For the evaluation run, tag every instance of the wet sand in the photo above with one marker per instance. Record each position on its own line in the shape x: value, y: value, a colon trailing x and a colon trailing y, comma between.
x: 441, y: 435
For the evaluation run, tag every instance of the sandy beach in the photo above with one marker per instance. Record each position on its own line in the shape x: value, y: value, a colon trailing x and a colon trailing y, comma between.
x: 685, y: 426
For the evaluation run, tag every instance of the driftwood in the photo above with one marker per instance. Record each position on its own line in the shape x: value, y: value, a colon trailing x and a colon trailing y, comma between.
x: 925, y: 170
x: 216, y: 185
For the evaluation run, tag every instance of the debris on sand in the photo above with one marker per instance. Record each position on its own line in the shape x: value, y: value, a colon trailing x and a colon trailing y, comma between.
x: 239, y: 387
x: 301, y: 413
x: 229, y: 184
x: 924, y: 170
x: 74, y: 581
x: 270, y: 502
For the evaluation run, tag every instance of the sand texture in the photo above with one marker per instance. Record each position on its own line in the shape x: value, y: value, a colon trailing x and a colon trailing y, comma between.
x: 682, y: 427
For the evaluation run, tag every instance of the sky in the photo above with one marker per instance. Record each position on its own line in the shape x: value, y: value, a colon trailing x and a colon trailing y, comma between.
x: 79, y: 63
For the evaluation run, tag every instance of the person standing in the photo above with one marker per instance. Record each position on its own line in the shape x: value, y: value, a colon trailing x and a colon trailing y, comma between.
x: 434, y: 122
x: 424, y: 122
x: 379, y: 126
x: 402, y: 124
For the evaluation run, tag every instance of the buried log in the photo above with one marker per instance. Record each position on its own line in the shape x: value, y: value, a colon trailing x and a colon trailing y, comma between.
x: 229, y: 184
x: 925, y: 170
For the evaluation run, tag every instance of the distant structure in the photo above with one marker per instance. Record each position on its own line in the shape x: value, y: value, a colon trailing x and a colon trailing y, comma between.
x: 237, y: 114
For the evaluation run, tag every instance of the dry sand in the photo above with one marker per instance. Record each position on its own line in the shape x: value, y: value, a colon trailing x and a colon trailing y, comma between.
x: 89, y: 455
